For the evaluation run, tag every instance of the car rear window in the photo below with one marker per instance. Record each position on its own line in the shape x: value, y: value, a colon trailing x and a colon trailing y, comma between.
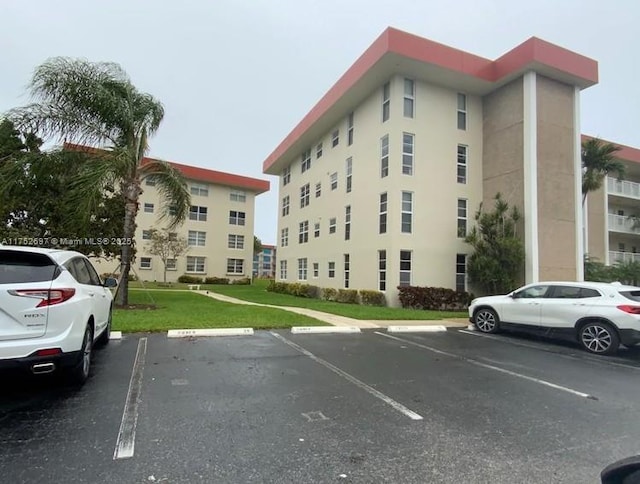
x: 633, y: 295
x: 19, y: 267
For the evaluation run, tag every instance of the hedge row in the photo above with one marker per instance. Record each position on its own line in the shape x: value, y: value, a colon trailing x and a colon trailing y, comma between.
x: 349, y: 296
x: 433, y: 298
x: 245, y: 281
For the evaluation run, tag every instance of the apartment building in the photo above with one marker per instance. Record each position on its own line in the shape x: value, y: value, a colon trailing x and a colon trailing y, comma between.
x: 264, y: 262
x: 218, y: 229
x: 380, y: 181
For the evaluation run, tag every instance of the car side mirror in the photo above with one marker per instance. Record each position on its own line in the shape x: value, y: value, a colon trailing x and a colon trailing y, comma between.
x: 110, y: 282
x: 625, y: 471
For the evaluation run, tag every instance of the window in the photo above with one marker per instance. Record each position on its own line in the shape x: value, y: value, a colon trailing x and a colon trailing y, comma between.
x: 409, y: 97
x: 285, y: 206
x: 334, y: 180
x: 303, y: 234
x: 173, y: 210
x: 384, y: 156
x: 198, y: 213
x: 382, y: 270
x: 146, y: 235
x: 200, y: 189
x: 405, y: 267
x: 319, y: 150
x: 171, y: 264
x: 150, y: 181
x: 346, y: 270
x: 349, y: 170
x: 461, y: 272
x: 235, y: 266
x: 316, y: 229
x: 148, y: 207
x: 286, y: 176
x: 195, y: 264
x: 304, y: 195
x: 332, y: 270
x: 302, y: 269
x: 284, y: 237
x: 350, y: 129
x: 236, y: 218
x: 407, y: 154
x: 145, y: 262
x: 407, y: 212
x: 533, y: 292
x: 462, y: 164
x: 196, y: 238
x: 462, y: 111
x: 318, y: 189
x: 386, y: 101
x: 347, y: 222
x: 238, y: 196
x: 382, y: 222
x: 566, y: 292
x: 316, y: 270
x: 332, y: 225
x: 236, y: 241
x: 305, y: 161
x: 283, y: 269
x: 335, y: 138
x: 462, y: 217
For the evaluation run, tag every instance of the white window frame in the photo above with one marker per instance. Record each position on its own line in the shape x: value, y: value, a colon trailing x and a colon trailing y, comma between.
x: 463, y: 216
x: 382, y: 270
x: 347, y: 222
x: 235, y: 241
x: 333, y: 225
x: 195, y: 262
x: 238, y: 196
x: 199, y: 189
x: 172, y: 265
x: 383, y: 210
x: 316, y: 270
x: 303, y: 232
x: 305, y: 195
x: 302, y: 269
x: 237, y: 219
x: 149, y: 207
x: 235, y: 266
x: 409, y: 98
x: 196, y: 238
x: 384, y: 156
x: 350, y: 129
x: 335, y: 137
x: 461, y: 272
x: 319, y: 150
x: 146, y: 263
x: 305, y: 161
x: 199, y: 214
x: 406, y: 223
x: 349, y: 172
x: 286, y: 176
x: 284, y: 237
x: 285, y: 205
x: 150, y: 181
x: 462, y: 111
x: 461, y: 166
x: 283, y: 269
x: 405, y: 267
x: 146, y: 235
x: 347, y: 269
x: 334, y: 180
x: 331, y: 269
x: 316, y: 230
x: 408, y: 153
x: 318, y: 189
x: 386, y: 101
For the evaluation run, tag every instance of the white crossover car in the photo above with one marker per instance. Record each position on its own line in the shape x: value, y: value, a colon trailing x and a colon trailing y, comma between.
x: 53, y: 308
x: 598, y: 315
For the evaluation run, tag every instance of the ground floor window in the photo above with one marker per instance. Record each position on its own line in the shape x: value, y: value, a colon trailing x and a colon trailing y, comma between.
x: 405, y: 267
x: 195, y: 264
x: 302, y: 269
x: 461, y: 272
x: 235, y: 266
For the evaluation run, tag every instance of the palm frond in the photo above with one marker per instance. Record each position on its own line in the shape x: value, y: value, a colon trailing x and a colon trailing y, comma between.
x: 174, y: 193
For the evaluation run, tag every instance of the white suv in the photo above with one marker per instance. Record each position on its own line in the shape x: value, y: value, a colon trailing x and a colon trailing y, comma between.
x: 598, y: 315
x: 53, y: 308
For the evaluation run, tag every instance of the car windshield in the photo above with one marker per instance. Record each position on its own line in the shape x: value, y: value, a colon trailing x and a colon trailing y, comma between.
x: 20, y: 267
x: 633, y: 295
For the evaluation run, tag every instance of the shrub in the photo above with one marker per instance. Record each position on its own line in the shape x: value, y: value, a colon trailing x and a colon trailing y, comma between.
x: 349, y: 296
x: 216, y: 280
x: 433, y: 298
x: 314, y: 292
x: 245, y: 281
x: 329, y: 294
x: 190, y: 279
x: 279, y: 287
x: 372, y: 298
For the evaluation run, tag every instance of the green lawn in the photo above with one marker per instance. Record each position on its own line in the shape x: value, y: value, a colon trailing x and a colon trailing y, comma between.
x: 183, y: 310
x: 257, y: 292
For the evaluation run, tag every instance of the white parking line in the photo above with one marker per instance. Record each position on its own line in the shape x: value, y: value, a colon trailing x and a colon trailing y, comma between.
x: 491, y: 367
x: 388, y: 400
x: 127, y: 434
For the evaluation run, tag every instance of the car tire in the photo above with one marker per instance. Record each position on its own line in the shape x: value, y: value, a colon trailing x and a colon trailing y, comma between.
x: 103, y: 339
x: 599, y: 338
x: 79, y: 373
x: 486, y: 320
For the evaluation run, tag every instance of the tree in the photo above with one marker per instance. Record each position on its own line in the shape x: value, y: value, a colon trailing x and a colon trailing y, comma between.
x: 257, y: 245
x: 499, y: 253
x: 166, y: 245
x: 598, y: 161
x: 96, y: 104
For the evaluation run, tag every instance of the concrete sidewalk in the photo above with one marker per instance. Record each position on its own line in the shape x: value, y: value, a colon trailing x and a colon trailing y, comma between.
x: 337, y: 320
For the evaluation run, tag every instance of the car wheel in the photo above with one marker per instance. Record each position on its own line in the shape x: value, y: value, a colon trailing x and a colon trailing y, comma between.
x: 486, y: 320
x: 103, y: 339
x: 80, y: 372
x: 599, y: 338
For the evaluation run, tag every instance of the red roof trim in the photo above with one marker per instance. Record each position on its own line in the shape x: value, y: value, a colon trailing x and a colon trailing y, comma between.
x: 626, y: 153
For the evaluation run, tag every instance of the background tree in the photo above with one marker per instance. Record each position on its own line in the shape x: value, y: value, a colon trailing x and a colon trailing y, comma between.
x: 598, y: 161
x: 257, y: 245
x: 498, y: 258
x: 166, y: 245
x: 96, y: 104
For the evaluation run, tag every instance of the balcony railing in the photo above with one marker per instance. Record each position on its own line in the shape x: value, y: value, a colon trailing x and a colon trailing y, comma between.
x: 620, y: 223
x: 615, y: 257
x: 623, y: 188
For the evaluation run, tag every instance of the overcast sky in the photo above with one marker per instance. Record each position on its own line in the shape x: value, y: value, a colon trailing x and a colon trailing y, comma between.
x: 235, y: 76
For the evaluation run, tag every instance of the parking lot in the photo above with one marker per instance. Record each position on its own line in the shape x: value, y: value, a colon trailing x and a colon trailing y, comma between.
x: 372, y: 407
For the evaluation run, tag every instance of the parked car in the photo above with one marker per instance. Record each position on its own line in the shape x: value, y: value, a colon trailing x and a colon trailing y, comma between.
x: 600, y: 316
x: 53, y: 309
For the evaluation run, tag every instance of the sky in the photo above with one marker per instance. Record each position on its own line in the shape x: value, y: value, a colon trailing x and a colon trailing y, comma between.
x: 236, y: 76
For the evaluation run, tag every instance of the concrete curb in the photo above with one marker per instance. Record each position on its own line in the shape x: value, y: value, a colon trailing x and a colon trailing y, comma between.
x: 324, y: 329
x: 115, y: 335
x: 416, y: 329
x: 194, y: 333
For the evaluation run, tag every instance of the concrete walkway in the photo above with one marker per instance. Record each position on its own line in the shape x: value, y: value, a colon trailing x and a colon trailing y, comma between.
x: 336, y: 320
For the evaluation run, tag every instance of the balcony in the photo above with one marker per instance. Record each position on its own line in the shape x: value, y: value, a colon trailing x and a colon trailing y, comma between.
x: 616, y: 257
x: 623, y: 188
x: 621, y: 223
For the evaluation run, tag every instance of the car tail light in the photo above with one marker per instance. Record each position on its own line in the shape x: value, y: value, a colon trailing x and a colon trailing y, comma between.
x: 48, y: 352
x: 629, y: 309
x: 48, y: 297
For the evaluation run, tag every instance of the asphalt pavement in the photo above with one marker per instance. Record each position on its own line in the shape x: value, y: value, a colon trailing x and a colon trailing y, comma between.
x: 372, y: 407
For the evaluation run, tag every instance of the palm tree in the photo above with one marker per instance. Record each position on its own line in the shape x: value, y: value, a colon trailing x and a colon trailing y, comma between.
x: 598, y: 161
x: 96, y: 104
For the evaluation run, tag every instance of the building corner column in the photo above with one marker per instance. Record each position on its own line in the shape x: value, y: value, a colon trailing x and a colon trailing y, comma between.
x: 530, y: 178
x: 581, y: 210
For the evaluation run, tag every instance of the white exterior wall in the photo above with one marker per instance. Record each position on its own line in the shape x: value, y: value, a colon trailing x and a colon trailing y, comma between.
x: 433, y: 240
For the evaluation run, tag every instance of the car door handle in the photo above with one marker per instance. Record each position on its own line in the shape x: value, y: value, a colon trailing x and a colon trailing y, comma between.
x: 91, y: 294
